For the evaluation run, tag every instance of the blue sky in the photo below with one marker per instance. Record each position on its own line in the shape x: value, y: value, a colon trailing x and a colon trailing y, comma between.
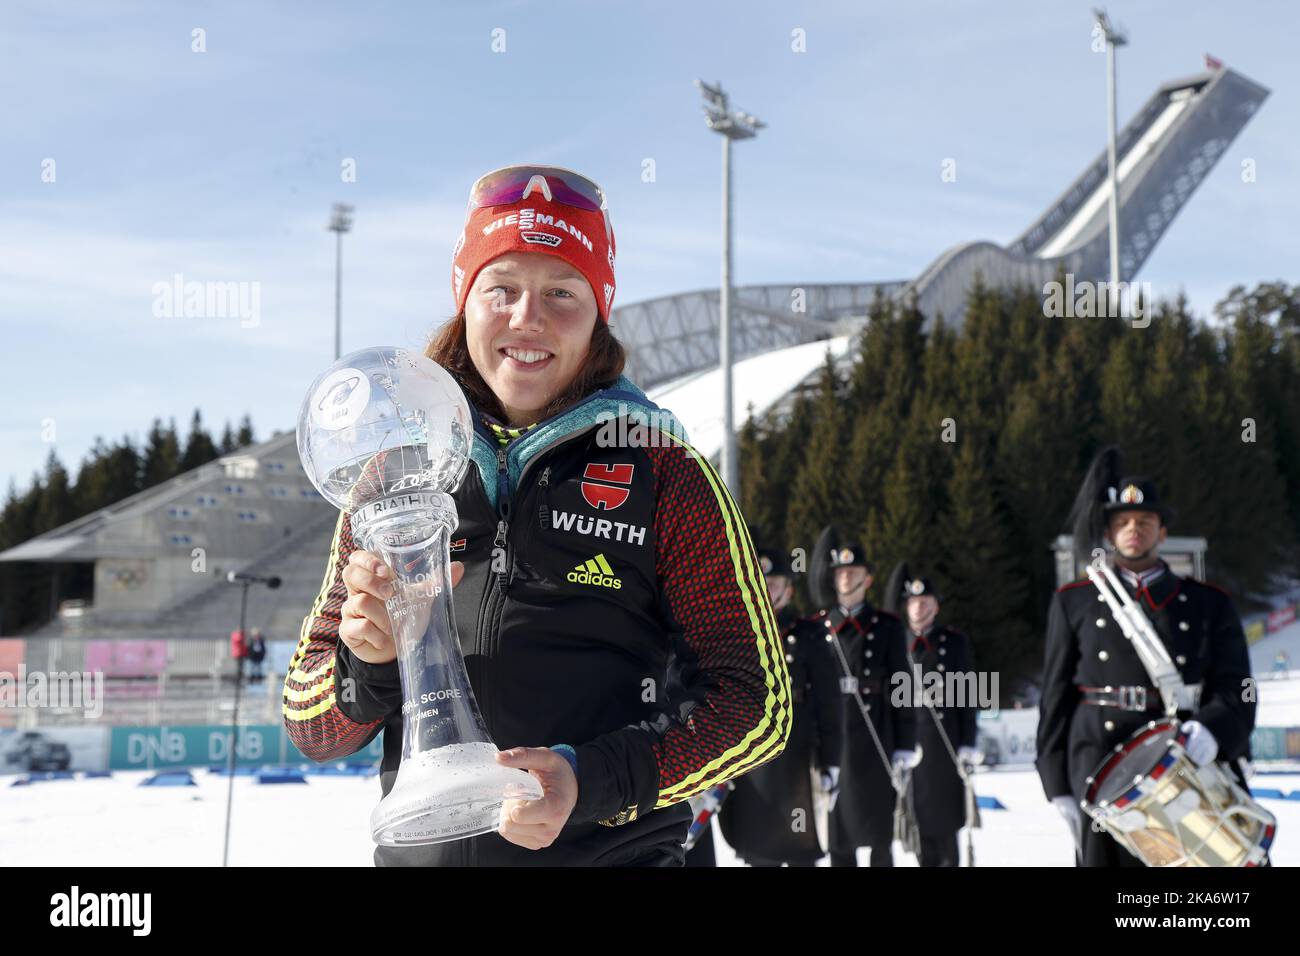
x: 221, y: 166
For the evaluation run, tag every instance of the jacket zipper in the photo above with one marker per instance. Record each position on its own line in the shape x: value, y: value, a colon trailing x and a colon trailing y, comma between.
x: 503, y: 515
x: 544, y: 510
x: 495, y: 596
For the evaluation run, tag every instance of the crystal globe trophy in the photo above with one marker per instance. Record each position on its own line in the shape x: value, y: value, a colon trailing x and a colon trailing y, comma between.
x: 385, y: 435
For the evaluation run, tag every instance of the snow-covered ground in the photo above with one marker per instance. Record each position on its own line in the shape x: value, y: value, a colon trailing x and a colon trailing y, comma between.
x: 114, y: 821
x: 1263, y: 652
x: 1279, y: 700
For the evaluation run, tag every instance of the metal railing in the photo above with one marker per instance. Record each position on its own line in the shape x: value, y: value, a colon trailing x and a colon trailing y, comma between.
x: 195, y: 686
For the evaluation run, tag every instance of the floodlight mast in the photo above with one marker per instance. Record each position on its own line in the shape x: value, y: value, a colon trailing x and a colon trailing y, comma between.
x: 732, y: 125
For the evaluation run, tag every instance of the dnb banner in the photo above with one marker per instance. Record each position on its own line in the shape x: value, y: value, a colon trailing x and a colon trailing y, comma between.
x: 151, y: 748
x: 96, y: 749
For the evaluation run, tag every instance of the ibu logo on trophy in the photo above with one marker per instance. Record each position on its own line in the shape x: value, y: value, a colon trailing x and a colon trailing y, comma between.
x: 385, y: 435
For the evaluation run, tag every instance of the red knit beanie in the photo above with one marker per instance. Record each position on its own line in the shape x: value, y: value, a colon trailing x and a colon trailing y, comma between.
x: 536, y: 224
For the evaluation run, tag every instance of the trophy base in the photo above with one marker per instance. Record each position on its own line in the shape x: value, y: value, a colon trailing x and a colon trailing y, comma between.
x: 449, y: 793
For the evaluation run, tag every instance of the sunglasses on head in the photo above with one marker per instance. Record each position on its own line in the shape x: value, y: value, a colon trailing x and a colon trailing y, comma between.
x: 510, y: 184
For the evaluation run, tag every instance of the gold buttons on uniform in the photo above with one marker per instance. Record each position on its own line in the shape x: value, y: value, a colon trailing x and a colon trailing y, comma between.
x: 1184, y: 626
x: 1109, y: 725
x: 1101, y: 622
x: 940, y: 667
x: 1103, y: 656
x: 789, y: 658
x: 1181, y: 659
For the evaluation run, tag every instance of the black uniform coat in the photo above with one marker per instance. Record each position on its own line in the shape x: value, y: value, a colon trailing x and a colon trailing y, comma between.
x: 1199, y: 626
x: 875, y: 648
x: 938, y: 795
x: 769, y: 816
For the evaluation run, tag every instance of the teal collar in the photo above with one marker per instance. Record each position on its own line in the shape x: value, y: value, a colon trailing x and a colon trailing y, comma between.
x: 621, y: 400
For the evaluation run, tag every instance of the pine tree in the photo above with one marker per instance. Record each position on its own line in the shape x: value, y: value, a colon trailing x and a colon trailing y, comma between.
x: 885, y: 379
x: 904, y: 527
x: 199, y: 449
x: 755, y: 500
x: 125, y: 470
x: 981, y: 571
x: 24, y: 586
x: 1262, y: 347
x: 91, y: 491
x: 1035, y: 466
x: 245, y: 436
x: 54, y: 503
x: 17, y: 520
x: 107, y: 475
x: 1125, y: 392
x: 819, y: 491
x: 161, y: 455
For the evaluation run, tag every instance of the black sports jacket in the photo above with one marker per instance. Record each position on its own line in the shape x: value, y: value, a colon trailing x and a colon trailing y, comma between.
x: 629, y: 620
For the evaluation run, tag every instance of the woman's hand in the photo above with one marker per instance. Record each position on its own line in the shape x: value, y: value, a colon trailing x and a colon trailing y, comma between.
x: 534, y: 824
x: 365, y: 627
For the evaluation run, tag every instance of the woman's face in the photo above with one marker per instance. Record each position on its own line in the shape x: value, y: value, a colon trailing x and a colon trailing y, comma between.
x: 528, y: 323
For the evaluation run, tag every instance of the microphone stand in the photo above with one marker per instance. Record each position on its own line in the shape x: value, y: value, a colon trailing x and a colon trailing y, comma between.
x: 233, y: 740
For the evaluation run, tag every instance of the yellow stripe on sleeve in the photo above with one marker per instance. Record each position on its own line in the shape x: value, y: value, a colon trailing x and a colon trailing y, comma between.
x: 304, y: 637
x: 756, y: 746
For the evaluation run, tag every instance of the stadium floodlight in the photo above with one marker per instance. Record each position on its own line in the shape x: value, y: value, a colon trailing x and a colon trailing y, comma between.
x: 1114, y: 33
x: 731, y: 125
x: 340, y: 222
x: 1115, y: 37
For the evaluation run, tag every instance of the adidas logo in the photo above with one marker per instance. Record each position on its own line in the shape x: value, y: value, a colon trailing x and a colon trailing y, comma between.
x: 595, y: 571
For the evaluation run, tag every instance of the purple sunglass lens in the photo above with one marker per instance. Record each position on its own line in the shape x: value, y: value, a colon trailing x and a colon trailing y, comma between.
x: 498, y: 192
x: 565, y: 193
x: 508, y: 186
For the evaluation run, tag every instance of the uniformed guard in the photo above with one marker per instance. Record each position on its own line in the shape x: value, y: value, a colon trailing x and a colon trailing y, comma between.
x: 1096, y: 692
x: 768, y: 819
x: 869, y: 643
x: 943, y: 660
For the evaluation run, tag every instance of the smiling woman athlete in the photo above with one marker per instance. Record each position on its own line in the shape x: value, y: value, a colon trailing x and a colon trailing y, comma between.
x: 624, y: 650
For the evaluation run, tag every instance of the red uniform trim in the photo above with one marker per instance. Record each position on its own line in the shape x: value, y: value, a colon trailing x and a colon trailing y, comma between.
x: 1151, y: 601
x: 1073, y: 584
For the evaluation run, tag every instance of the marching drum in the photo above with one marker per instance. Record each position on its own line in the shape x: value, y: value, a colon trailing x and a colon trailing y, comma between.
x: 1166, y: 811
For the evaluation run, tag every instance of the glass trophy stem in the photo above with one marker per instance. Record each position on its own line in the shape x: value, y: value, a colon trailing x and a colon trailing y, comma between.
x: 449, y: 785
